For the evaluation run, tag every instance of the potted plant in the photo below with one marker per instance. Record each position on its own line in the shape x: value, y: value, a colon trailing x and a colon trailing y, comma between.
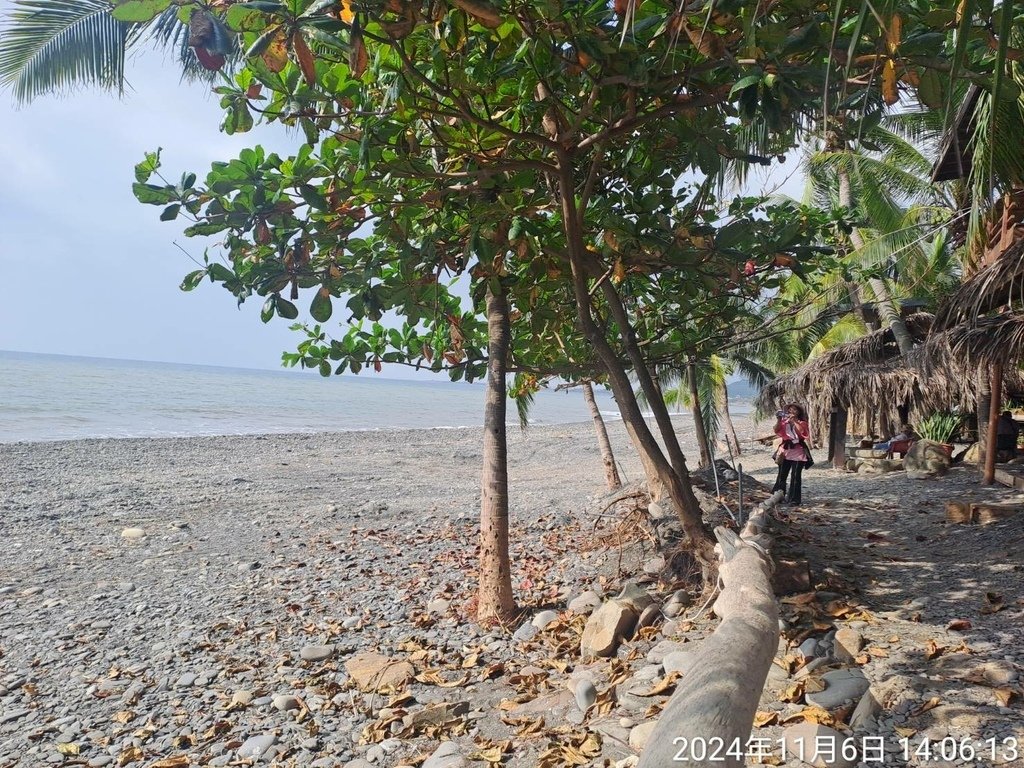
x: 940, y: 428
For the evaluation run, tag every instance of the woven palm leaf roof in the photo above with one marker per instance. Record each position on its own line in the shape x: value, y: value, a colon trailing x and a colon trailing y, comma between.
x: 869, y: 374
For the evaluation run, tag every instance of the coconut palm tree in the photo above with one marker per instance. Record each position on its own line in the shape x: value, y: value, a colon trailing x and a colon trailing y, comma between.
x: 55, y: 46
x: 883, y: 181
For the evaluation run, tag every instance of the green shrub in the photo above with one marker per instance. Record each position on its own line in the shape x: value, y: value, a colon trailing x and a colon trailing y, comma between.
x: 940, y: 427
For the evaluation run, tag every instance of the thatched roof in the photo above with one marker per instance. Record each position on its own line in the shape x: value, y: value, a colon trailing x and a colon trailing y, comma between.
x: 870, y: 374
x: 955, y: 155
x: 994, y: 339
x: 999, y: 285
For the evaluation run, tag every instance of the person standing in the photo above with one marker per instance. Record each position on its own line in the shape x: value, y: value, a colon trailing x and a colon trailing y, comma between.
x: 793, y: 454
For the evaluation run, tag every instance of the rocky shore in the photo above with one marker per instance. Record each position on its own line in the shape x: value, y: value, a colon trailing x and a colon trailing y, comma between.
x: 305, y: 600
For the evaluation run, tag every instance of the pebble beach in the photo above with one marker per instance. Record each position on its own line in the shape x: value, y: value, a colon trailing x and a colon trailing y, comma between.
x: 306, y: 600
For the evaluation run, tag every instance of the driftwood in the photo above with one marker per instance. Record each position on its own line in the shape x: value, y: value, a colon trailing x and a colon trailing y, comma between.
x: 708, y: 720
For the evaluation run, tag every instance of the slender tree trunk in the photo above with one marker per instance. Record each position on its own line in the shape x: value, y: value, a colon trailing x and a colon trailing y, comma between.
x: 982, y: 411
x: 682, y: 495
x: 495, y: 601
x: 884, y: 303
x: 853, y: 291
x: 611, y: 472
x: 651, y: 391
x: 698, y: 417
x: 890, y: 315
x: 991, y: 444
x: 730, y: 428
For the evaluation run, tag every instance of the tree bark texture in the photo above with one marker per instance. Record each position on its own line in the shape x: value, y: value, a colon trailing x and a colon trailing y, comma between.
x: 982, y: 410
x: 992, y: 439
x: 837, y: 438
x: 611, y: 472
x: 717, y: 698
x: 703, y: 444
x: 495, y: 601
x: 730, y: 429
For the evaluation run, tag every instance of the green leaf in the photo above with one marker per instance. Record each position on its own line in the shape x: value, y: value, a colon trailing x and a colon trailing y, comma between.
x: 286, y: 309
x: 266, y: 6
x: 317, y: 7
x: 262, y: 42
x: 321, y: 308
x: 220, y: 273
x: 147, y: 167
x: 325, y: 368
x: 138, y: 11
x: 743, y: 83
x: 151, y: 194
x: 268, y: 308
x: 192, y: 279
x: 170, y: 213
x: 930, y: 90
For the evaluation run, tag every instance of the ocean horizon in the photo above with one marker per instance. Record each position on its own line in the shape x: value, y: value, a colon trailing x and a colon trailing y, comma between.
x: 46, y: 397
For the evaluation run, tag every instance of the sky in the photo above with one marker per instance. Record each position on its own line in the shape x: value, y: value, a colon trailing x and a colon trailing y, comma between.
x: 87, y: 270
x: 90, y: 271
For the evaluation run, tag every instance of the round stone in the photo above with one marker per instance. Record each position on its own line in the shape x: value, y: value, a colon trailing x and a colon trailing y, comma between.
x: 316, y: 652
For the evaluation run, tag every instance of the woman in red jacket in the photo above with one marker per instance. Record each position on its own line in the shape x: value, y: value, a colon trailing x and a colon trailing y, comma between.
x: 793, y: 453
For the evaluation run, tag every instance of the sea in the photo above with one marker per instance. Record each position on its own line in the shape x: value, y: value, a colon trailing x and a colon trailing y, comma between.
x: 58, y: 397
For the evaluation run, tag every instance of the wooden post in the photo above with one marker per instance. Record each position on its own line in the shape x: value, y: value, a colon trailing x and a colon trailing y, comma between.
x: 717, y: 698
x: 996, y: 400
x: 837, y: 438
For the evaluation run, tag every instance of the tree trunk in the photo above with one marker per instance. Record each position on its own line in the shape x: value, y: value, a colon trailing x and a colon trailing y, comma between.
x: 982, y: 411
x: 495, y: 601
x: 611, y: 472
x: 730, y: 429
x: 717, y: 698
x: 837, y: 438
x: 883, y: 301
x: 853, y: 291
x: 890, y: 315
x: 686, y: 504
x: 995, y: 401
x: 651, y: 391
x: 698, y: 417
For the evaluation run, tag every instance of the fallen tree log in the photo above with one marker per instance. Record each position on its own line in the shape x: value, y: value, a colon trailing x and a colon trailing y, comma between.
x: 708, y: 720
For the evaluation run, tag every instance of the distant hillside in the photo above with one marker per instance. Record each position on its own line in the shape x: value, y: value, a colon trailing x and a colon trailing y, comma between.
x: 741, y: 390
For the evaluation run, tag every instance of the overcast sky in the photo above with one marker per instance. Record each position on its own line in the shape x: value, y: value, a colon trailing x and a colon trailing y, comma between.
x: 86, y: 269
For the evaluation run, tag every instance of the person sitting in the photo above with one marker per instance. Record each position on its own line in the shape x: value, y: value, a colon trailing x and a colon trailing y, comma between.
x: 900, y: 442
x: 1006, y: 434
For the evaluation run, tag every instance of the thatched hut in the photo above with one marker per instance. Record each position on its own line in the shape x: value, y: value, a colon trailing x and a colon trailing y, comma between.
x: 870, y: 376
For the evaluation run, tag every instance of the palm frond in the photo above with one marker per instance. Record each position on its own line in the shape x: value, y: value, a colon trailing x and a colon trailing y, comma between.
x: 51, y: 46
x: 523, y: 397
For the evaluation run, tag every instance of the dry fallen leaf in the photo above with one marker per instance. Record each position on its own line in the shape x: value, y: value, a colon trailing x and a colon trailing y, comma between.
x: 178, y: 761
x: 813, y: 685
x: 811, y: 715
x: 959, y: 625
x: 905, y: 732
x: 761, y: 719
x: 124, y: 716
x: 1005, y: 695
x: 68, y: 748
x: 932, y: 703
x: 793, y: 694
x: 665, y: 686
x: 933, y: 650
x: 129, y: 755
